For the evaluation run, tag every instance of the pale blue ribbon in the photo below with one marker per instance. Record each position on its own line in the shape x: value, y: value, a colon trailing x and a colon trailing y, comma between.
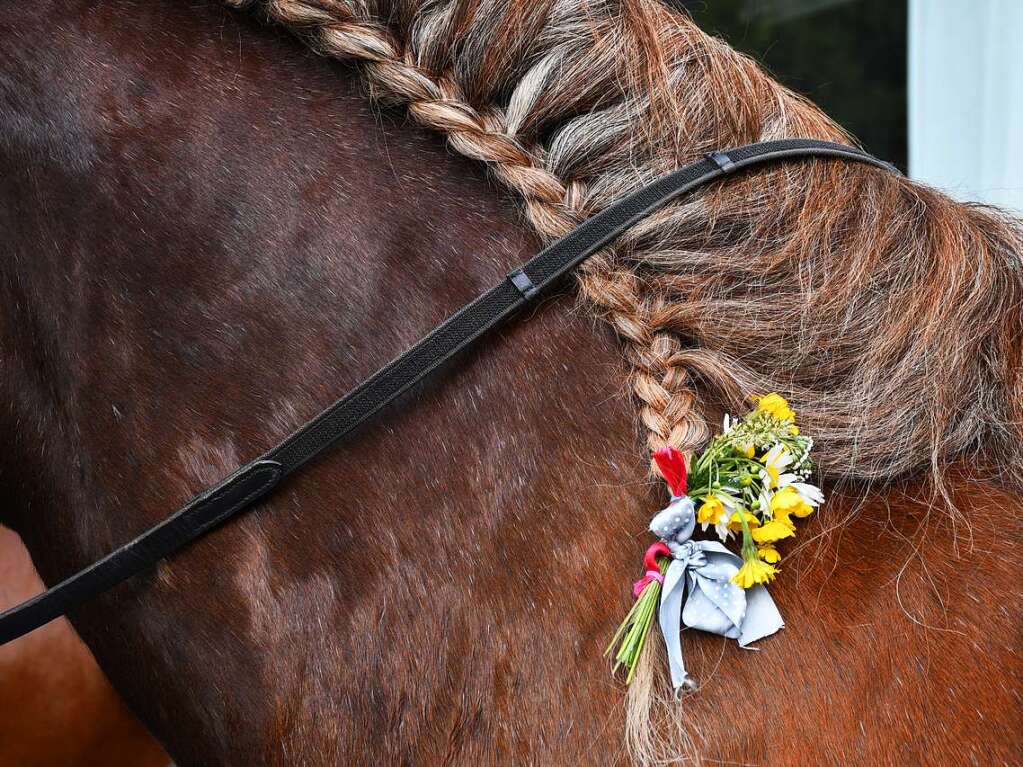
x: 704, y: 569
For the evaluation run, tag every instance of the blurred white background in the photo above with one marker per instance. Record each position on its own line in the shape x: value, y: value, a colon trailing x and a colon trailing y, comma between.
x: 966, y: 98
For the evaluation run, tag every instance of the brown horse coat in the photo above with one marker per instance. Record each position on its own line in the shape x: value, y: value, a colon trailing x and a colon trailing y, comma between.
x: 210, y: 236
x: 58, y: 708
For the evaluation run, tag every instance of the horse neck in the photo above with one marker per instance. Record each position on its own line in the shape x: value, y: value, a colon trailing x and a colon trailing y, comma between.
x: 206, y: 253
x: 200, y: 276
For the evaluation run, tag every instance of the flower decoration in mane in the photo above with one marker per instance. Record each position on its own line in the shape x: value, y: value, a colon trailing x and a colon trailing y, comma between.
x: 750, y: 483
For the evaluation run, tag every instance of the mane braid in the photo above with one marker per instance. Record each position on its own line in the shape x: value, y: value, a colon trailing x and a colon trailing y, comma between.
x: 887, y: 313
x: 553, y: 207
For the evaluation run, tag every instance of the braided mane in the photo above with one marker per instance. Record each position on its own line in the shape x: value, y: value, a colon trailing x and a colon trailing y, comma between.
x: 887, y: 313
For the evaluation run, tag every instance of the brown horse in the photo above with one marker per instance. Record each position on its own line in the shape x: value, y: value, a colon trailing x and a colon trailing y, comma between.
x: 209, y: 234
x: 49, y: 684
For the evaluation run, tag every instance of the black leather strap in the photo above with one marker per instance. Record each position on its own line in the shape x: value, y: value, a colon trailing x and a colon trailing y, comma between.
x: 254, y: 480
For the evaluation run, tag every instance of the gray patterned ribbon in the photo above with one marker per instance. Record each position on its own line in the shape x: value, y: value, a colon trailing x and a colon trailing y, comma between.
x: 704, y: 569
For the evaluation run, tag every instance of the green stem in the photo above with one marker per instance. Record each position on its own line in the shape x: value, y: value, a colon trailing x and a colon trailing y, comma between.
x: 654, y: 604
x: 749, y: 550
x: 630, y: 638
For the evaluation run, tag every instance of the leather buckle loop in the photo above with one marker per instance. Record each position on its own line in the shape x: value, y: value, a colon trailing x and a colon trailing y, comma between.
x: 723, y: 161
x: 523, y: 283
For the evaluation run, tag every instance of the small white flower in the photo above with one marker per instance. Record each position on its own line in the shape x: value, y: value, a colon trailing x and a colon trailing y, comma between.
x: 730, y: 501
x: 775, y: 462
x: 811, y: 494
x: 721, y: 528
x: 786, y: 479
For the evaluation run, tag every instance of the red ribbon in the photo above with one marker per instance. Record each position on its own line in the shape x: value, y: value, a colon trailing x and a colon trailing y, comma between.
x: 653, y: 568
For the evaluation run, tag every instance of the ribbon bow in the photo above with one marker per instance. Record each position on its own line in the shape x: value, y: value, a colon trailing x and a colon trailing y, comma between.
x: 704, y: 569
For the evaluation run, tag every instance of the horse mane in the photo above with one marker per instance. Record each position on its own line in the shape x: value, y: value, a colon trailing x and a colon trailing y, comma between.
x: 887, y: 313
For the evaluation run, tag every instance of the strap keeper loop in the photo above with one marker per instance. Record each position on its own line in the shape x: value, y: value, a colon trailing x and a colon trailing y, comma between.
x: 722, y: 160
x: 524, y: 284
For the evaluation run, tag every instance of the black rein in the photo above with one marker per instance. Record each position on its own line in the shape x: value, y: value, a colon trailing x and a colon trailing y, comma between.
x: 255, y: 480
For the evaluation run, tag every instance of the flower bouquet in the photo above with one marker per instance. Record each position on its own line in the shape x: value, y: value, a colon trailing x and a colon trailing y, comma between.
x: 750, y: 482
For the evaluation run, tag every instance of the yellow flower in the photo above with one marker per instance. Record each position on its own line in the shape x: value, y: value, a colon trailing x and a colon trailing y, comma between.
x: 710, y: 510
x: 754, y: 571
x: 747, y: 450
x: 735, y: 524
x: 794, y: 430
x: 769, y: 554
x: 803, y: 510
x: 775, y: 405
x: 788, y: 501
x: 781, y: 516
x: 773, y: 531
x: 785, y: 500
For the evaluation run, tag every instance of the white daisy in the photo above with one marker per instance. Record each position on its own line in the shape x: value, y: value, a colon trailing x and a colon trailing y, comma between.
x: 778, y: 458
x: 721, y: 529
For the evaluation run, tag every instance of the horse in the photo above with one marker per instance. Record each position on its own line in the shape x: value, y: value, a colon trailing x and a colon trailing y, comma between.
x: 51, y: 683
x: 214, y: 225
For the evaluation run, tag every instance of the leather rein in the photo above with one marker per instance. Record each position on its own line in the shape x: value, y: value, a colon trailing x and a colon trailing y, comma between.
x: 255, y: 480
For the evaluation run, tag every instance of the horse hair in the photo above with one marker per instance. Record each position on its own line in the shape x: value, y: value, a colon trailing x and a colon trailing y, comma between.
x: 206, y: 244
x: 889, y: 314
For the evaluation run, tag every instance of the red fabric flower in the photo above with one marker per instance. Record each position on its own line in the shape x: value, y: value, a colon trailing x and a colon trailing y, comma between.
x: 672, y: 464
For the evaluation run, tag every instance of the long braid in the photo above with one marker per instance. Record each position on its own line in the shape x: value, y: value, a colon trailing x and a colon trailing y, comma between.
x: 658, y: 379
